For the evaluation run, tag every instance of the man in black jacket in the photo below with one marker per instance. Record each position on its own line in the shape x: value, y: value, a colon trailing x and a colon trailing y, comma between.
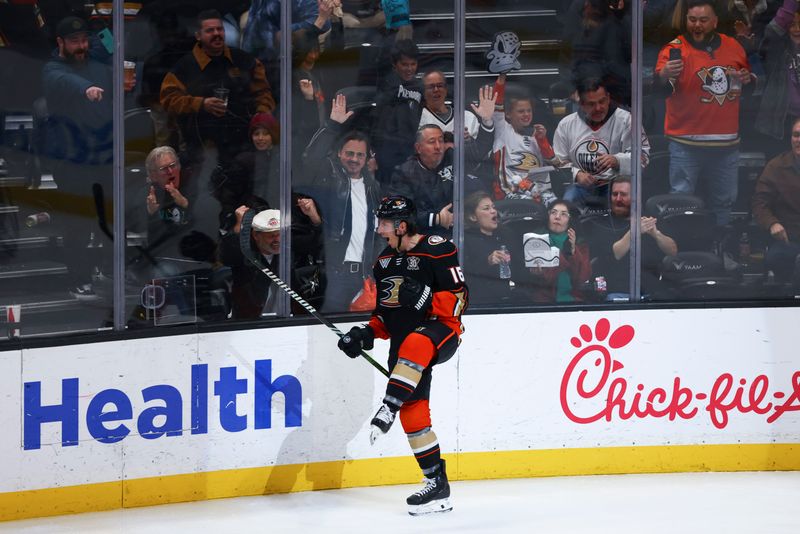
x: 427, y: 177
x: 347, y: 196
x: 398, y: 104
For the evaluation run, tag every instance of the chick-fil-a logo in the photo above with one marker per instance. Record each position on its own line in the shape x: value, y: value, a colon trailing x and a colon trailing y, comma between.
x: 590, y: 391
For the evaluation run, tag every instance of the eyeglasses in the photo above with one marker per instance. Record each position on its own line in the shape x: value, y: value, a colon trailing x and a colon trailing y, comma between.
x: 357, y: 155
x: 433, y: 86
x: 171, y: 166
x: 559, y: 213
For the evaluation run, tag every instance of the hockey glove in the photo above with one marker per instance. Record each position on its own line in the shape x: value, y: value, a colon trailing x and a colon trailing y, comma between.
x: 358, y: 338
x: 415, y: 295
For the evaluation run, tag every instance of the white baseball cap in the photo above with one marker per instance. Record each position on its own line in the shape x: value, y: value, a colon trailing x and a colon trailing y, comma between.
x: 267, y: 221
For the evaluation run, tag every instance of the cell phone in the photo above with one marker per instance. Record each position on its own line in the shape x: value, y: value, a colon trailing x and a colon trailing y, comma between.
x: 107, y: 39
x: 674, y: 53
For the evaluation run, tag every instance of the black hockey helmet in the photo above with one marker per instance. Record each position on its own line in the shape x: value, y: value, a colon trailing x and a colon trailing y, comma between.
x: 398, y: 208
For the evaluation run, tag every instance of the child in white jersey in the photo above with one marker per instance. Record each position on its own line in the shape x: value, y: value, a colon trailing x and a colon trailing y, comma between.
x: 521, y: 150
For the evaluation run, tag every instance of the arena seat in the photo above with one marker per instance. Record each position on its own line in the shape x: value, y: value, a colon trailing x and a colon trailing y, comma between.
x: 697, y: 276
x: 685, y: 219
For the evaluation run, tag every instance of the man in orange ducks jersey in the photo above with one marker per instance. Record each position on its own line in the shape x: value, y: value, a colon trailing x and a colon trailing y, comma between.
x: 703, y: 71
x: 421, y: 296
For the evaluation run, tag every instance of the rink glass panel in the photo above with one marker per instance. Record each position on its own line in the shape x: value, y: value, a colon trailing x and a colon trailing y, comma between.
x: 354, y: 60
x: 183, y: 264
x: 717, y: 260
x: 56, y: 180
x: 553, y: 57
x: 69, y: 241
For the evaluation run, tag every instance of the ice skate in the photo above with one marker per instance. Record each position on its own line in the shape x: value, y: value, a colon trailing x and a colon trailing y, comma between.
x: 381, y: 423
x: 433, y: 498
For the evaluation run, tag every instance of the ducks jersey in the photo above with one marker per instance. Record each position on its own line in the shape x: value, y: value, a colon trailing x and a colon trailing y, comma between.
x: 518, y: 158
x: 702, y: 109
x: 433, y: 262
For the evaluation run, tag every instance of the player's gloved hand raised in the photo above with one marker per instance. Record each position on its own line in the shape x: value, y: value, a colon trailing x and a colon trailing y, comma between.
x: 414, y: 294
x: 358, y: 338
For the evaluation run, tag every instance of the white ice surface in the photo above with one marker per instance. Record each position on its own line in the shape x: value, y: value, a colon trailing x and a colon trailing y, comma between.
x: 758, y: 503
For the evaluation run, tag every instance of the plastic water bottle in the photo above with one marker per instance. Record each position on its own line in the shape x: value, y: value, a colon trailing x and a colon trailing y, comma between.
x: 505, y: 268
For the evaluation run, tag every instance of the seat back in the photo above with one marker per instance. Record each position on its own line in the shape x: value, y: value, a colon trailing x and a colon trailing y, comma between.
x: 520, y: 209
x: 140, y: 135
x: 690, y: 265
x: 520, y: 216
x: 685, y: 219
x: 660, y: 205
x: 697, y: 276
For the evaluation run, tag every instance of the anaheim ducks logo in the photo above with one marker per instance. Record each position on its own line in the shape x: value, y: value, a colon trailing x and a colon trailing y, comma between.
x: 390, y: 291
x: 587, y: 153
x: 446, y: 173
x: 525, y: 161
x: 715, y: 83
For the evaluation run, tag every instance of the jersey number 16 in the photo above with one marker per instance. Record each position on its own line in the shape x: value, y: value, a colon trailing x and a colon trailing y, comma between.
x: 457, y: 274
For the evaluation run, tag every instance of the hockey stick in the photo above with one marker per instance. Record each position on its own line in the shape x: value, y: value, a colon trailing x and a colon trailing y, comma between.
x: 244, y: 245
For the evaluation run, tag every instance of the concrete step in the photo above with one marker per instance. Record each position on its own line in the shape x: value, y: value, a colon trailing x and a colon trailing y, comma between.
x: 27, y: 243
x: 32, y: 269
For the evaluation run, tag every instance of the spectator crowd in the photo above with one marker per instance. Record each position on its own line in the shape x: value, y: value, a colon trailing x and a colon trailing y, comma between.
x: 547, y: 192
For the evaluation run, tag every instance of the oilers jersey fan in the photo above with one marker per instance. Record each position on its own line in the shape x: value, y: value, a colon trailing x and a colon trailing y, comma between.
x: 421, y: 296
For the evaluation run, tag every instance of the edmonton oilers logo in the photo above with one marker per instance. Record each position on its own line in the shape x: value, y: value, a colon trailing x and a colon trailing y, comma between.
x: 587, y: 153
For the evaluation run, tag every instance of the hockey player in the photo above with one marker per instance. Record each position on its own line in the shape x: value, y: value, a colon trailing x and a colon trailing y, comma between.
x: 421, y: 296
x: 520, y: 149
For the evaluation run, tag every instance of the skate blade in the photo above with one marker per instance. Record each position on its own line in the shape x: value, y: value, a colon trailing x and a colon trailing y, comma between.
x: 375, y: 433
x: 434, y: 507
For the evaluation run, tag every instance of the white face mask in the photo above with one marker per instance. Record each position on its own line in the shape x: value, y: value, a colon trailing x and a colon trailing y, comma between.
x: 503, y: 55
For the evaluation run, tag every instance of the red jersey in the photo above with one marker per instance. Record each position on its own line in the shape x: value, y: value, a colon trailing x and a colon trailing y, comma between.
x: 701, y: 109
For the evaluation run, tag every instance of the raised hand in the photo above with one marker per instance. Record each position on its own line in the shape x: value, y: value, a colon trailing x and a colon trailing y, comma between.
x: 486, y: 101
x: 240, y: 211
x: 307, y: 89
x: 339, y: 111
x: 309, y: 209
